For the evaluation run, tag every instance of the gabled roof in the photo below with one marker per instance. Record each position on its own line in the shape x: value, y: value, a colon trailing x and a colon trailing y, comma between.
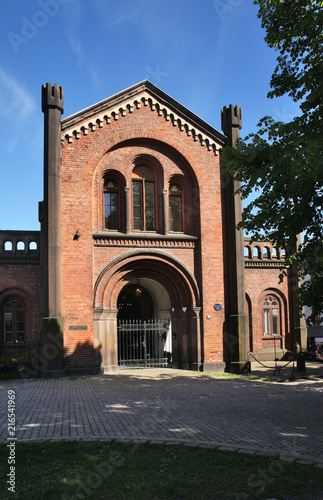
x: 132, y: 98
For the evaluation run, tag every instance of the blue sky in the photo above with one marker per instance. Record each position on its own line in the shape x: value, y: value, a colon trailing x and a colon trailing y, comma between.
x: 206, y: 54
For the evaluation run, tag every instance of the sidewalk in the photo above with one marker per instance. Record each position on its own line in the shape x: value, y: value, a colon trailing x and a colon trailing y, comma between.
x: 284, y: 370
x: 174, y: 407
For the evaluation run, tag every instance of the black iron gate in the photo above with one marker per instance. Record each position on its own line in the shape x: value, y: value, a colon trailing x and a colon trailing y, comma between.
x: 142, y: 344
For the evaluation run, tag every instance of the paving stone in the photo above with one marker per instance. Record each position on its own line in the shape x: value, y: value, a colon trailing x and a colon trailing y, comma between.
x: 305, y: 462
x: 175, y: 407
x: 244, y: 451
x: 228, y: 448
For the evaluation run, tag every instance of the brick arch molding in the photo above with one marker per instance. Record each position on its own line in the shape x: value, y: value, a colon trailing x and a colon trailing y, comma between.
x: 170, y: 272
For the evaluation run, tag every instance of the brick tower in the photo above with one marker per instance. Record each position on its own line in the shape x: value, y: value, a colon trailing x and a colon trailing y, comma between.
x: 236, y: 319
x: 50, y: 218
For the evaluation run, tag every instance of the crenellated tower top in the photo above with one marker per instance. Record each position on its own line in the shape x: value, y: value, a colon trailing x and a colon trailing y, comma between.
x: 52, y: 97
x: 231, y: 123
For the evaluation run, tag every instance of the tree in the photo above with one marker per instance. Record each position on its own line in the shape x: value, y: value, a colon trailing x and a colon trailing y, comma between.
x: 283, y: 162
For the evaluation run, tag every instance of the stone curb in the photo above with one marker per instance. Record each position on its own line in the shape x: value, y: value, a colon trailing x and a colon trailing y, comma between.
x: 305, y: 460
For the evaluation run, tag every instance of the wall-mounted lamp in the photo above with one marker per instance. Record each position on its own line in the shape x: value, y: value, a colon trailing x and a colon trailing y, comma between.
x: 138, y: 290
x: 76, y: 236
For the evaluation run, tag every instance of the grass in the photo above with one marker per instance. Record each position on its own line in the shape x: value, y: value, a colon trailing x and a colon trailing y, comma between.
x: 68, y: 470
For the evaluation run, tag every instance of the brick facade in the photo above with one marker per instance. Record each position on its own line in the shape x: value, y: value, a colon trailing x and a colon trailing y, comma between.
x: 87, y: 266
x: 20, y: 277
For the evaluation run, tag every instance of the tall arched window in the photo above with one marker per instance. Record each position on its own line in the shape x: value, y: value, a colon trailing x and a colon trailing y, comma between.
x: 143, y: 199
x: 271, y: 314
x: 14, y: 320
x: 175, y: 208
x: 111, y: 204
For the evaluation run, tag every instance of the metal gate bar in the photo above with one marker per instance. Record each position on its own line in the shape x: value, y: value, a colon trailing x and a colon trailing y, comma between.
x: 141, y: 344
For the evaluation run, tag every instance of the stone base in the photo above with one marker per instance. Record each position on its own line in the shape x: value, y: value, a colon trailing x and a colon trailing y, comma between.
x: 240, y: 367
x: 53, y: 373
x: 214, y: 367
x: 70, y: 372
x: 110, y: 369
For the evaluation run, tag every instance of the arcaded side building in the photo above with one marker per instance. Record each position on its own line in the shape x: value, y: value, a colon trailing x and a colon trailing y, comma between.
x: 138, y: 261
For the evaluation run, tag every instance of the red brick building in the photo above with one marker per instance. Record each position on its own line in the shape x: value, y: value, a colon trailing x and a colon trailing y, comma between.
x: 140, y: 262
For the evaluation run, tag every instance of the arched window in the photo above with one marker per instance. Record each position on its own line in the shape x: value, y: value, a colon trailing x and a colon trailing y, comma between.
x: 143, y: 199
x: 271, y: 314
x: 8, y: 246
x: 247, y: 251
x: 256, y: 252
x: 111, y: 204
x: 21, y: 246
x: 175, y: 208
x: 14, y: 320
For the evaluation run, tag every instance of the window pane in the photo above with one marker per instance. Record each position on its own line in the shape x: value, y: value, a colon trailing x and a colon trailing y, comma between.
x: 111, y: 185
x: 275, y: 321
x: 111, y: 210
x: 8, y: 337
x: 137, y: 187
x: 137, y: 212
x: 178, y: 225
x: 175, y: 213
x: 150, y: 205
x: 149, y: 186
x: 137, y: 200
x: 137, y: 224
x: 8, y: 326
x: 174, y: 188
x: 14, y: 320
x: 171, y: 218
x: 137, y: 205
x: 266, y: 322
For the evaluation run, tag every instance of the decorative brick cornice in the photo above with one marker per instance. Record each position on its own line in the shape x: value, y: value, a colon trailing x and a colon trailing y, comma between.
x: 144, y: 240
x: 261, y: 263
x: 82, y: 124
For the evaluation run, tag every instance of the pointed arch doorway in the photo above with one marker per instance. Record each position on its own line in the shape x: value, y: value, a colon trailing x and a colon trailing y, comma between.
x: 144, y: 330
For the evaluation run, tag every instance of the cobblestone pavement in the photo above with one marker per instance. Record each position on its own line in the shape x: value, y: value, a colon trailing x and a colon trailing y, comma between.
x: 172, y: 406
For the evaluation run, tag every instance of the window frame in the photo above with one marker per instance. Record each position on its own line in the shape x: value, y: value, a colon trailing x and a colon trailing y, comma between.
x: 271, y: 312
x: 174, y: 196
x: 144, y: 176
x: 107, y: 191
x: 13, y: 311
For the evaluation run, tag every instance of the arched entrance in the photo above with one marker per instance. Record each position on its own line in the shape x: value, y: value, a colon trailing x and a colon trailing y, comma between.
x: 171, y: 288
x: 144, y: 337
x: 135, y: 303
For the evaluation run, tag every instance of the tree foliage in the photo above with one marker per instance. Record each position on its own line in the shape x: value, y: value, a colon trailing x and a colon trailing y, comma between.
x: 283, y: 162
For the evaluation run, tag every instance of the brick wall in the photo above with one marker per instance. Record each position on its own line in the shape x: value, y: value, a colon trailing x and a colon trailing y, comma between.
x: 114, y: 146
x: 262, y: 278
x: 20, y: 276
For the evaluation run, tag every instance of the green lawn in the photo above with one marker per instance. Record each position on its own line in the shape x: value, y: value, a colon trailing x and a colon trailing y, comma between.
x: 108, y: 470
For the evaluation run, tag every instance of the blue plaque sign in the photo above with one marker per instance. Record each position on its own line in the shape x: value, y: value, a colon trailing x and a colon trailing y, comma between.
x: 217, y: 307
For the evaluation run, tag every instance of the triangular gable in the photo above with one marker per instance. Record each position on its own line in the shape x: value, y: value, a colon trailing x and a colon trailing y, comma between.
x: 133, y: 98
